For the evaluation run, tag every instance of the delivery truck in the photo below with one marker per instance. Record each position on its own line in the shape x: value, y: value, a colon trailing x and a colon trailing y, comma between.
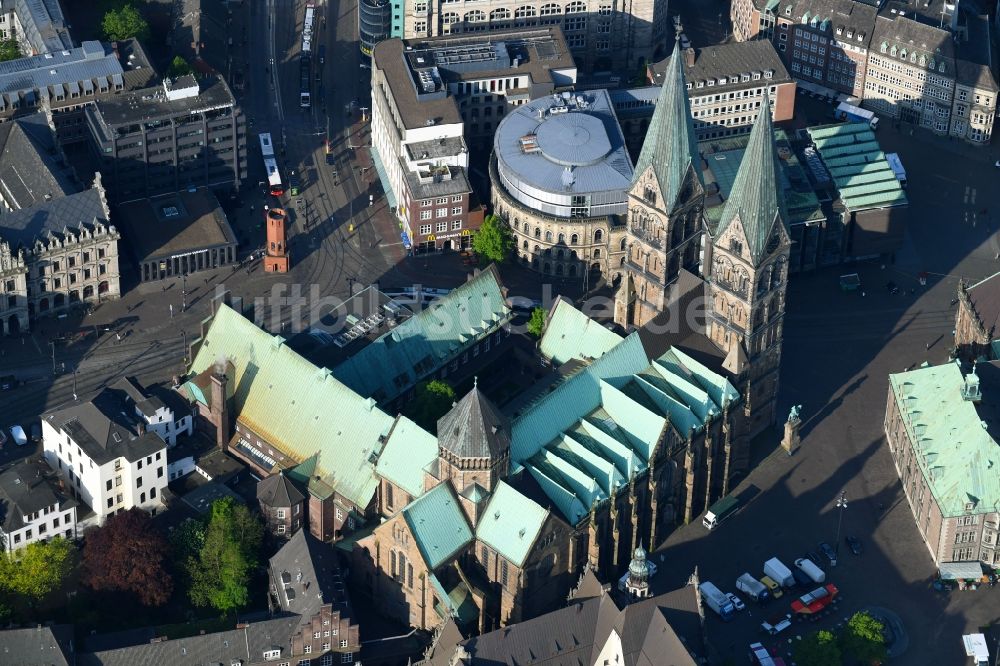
x: 897, y: 167
x: 781, y: 574
x: 717, y: 601
x: 856, y: 114
x: 753, y: 588
x: 719, y: 511
x: 810, y: 569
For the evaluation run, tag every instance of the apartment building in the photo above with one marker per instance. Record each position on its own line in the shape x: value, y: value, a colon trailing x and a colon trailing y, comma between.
x: 432, y: 99
x: 938, y: 426
x: 58, y: 253
x: 33, y: 506
x: 164, y: 413
x: 602, y: 35
x: 728, y: 84
x: 927, y: 64
x: 181, y: 134
x: 105, y: 455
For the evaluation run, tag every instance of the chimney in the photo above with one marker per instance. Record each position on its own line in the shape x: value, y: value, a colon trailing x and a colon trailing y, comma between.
x: 689, y: 56
x: 220, y: 411
x: 141, y: 427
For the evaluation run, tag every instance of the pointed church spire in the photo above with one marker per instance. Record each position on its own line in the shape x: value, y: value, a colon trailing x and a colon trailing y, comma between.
x: 670, y: 146
x: 754, y: 197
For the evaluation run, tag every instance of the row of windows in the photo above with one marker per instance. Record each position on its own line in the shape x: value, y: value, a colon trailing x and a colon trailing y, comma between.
x: 560, y: 238
x: 441, y: 212
x: 440, y: 201
x: 441, y: 227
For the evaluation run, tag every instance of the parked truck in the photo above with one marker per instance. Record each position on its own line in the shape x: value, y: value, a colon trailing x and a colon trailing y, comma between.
x: 856, y: 114
x: 753, y: 588
x: 779, y: 572
x: 810, y: 569
x: 719, y: 511
x: 717, y: 601
x: 897, y: 167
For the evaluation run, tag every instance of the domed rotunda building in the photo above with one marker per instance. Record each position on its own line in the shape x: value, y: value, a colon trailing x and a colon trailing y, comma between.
x: 560, y: 175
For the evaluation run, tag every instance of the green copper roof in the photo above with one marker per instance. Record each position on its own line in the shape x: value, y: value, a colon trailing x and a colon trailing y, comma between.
x: 417, y: 348
x: 858, y: 166
x: 583, y: 441
x: 510, y: 524
x: 670, y: 147
x: 571, y: 334
x: 956, y: 454
x: 438, y: 525
x: 755, y: 199
x: 298, y: 408
x: 406, y: 453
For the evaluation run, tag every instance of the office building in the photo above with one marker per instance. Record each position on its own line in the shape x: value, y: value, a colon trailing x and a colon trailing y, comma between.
x: 431, y: 100
x: 69, y: 258
x: 181, y: 134
x: 559, y: 176
x: 939, y: 422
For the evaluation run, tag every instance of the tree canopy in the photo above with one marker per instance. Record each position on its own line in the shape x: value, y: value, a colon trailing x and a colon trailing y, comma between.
x: 537, y: 322
x: 431, y: 401
x: 863, y: 639
x: 494, y: 240
x: 9, y: 50
x: 818, y: 649
x: 124, y: 23
x: 127, y: 554
x: 178, y: 67
x: 221, y: 570
x: 37, y: 569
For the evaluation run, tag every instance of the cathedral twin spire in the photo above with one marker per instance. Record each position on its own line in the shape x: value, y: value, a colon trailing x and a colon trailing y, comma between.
x: 670, y: 146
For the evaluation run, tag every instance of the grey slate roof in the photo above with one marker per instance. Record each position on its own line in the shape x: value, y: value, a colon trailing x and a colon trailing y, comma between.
x: 25, y: 488
x: 913, y: 35
x: 474, y: 428
x: 278, y: 491
x: 670, y: 146
x: 755, y: 199
x: 225, y: 647
x: 306, y: 576
x: 90, y: 61
x: 733, y: 59
x: 52, y: 218
x: 576, y: 635
x: 105, y: 429
x: 852, y: 16
x: 29, y: 168
x: 37, y: 646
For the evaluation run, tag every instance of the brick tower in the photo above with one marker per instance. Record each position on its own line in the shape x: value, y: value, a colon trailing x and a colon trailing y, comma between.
x: 277, y: 259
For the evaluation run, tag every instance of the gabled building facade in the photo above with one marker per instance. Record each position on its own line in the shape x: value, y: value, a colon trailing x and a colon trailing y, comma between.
x: 33, y: 506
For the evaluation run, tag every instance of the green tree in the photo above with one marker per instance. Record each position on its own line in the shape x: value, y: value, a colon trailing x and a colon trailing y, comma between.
x: 494, y: 240
x: 537, y: 322
x: 178, y: 67
x: 125, y: 23
x: 818, y: 649
x: 862, y: 638
x: 37, y: 569
x: 9, y: 50
x: 221, y: 571
x: 431, y: 401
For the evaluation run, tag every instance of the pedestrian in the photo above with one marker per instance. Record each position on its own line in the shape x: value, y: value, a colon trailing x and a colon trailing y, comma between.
x: 928, y: 346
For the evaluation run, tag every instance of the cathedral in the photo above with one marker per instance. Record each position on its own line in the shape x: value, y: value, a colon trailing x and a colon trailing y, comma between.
x: 742, y: 259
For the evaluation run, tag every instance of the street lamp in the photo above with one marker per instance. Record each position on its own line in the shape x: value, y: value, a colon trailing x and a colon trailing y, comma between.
x: 841, y: 504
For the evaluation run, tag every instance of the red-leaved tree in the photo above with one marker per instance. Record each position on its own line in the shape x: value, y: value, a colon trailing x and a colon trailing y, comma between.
x: 127, y: 554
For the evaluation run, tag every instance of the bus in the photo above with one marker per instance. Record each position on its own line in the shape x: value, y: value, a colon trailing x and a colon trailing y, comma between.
x: 275, y: 187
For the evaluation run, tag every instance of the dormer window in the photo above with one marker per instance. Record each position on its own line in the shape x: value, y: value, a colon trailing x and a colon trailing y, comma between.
x: 756, y: 76
x: 902, y: 54
x: 884, y: 47
x: 850, y: 33
x: 861, y: 36
x: 711, y: 82
x: 941, y: 67
x: 840, y: 30
x: 768, y: 74
x: 688, y: 85
x: 700, y: 84
x: 913, y: 57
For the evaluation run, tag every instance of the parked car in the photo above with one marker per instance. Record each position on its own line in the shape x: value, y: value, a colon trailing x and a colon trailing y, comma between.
x: 17, y: 432
x: 829, y: 554
x: 772, y: 586
x: 737, y: 602
x: 8, y: 383
x: 854, y: 543
x: 36, y: 432
x: 777, y: 625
